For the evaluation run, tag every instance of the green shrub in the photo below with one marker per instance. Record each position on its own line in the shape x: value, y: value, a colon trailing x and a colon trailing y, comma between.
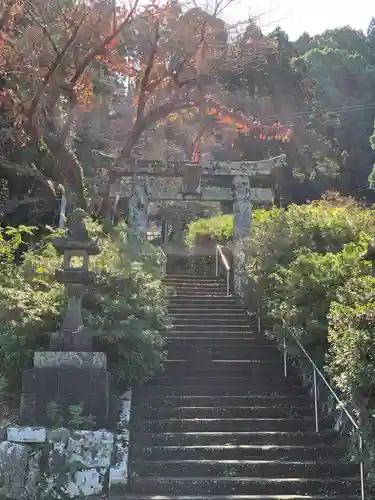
x: 351, y: 360
x: 304, y: 290
x: 303, y: 265
x: 125, y: 308
x: 218, y: 229
x: 202, y: 237
x: 279, y: 235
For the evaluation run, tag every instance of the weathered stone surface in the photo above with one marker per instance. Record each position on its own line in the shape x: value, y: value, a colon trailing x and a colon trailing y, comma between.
x: 138, y: 207
x: 158, y: 190
x: 41, y: 386
x: 86, y: 482
x: 159, y: 168
x: 48, y: 359
x: 118, y: 474
x: 33, y: 476
x: 242, y: 225
x: 3, y: 431
x: 91, y: 448
x: 13, y: 468
x: 125, y: 409
x: 26, y: 434
x: 75, y: 244
x: 58, y: 453
x: 60, y: 435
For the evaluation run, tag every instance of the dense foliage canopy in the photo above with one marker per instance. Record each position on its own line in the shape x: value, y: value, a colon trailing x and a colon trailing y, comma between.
x: 87, y: 86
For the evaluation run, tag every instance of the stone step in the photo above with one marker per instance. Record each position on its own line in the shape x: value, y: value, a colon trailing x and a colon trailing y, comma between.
x: 251, y: 379
x: 204, y: 303
x: 223, y: 412
x: 223, y: 401
x: 217, y: 334
x: 212, y: 352
x: 237, y: 486
x: 194, y: 319
x: 209, y: 307
x: 246, y: 468
x: 238, y: 452
x: 237, y: 497
x: 180, y: 300
x: 192, y: 277
x: 183, y: 368
x: 235, y: 341
x: 228, y: 424
x: 176, y: 291
x: 202, y: 390
x: 270, y: 438
x: 204, y: 286
x: 210, y: 369
x: 198, y: 328
x: 238, y: 316
x: 197, y: 292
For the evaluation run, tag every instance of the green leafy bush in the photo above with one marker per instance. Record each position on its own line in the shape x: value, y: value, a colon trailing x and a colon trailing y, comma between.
x: 351, y: 360
x: 304, y: 265
x: 202, y: 237
x: 217, y: 229
x: 279, y: 235
x: 125, y: 308
x: 304, y: 290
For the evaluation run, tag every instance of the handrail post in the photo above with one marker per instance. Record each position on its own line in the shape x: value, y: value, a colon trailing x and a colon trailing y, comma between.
x: 316, y: 400
x: 217, y: 262
x: 361, y: 466
x: 228, y: 278
x: 285, y: 354
x: 258, y: 317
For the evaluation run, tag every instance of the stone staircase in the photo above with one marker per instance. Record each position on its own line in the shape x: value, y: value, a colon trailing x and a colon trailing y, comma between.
x: 221, y: 422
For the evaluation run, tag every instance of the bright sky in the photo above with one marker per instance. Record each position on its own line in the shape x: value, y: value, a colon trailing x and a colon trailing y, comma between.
x: 313, y: 16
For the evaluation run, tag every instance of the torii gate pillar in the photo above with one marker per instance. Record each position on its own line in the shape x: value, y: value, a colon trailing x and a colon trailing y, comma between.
x: 138, y: 207
x: 242, y: 224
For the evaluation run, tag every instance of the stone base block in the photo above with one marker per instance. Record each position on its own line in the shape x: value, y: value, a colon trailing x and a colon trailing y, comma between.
x: 26, y: 434
x: 61, y: 388
x: 13, y: 469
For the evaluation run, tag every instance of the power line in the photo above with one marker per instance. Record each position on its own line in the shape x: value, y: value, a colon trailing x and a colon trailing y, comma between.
x: 339, y: 109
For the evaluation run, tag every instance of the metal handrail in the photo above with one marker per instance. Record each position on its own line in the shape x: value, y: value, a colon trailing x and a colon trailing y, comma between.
x: 221, y: 257
x: 317, y: 372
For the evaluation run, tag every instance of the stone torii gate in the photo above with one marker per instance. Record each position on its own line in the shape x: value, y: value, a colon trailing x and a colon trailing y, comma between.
x: 145, y: 181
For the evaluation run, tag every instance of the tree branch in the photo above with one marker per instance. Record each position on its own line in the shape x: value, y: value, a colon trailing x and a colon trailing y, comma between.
x: 53, y: 68
x: 29, y: 171
x: 153, y: 116
x: 146, y: 75
x: 99, y: 49
x: 33, y: 17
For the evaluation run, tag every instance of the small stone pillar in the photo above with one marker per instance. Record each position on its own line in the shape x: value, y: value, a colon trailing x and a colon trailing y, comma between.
x: 370, y: 256
x: 192, y: 181
x: 69, y: 373
x: 138, y: 207
x: 242, y: 224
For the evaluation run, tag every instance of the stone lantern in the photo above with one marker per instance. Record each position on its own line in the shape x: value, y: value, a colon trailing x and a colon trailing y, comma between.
x: 69, y: 374
x: 76, y: 245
